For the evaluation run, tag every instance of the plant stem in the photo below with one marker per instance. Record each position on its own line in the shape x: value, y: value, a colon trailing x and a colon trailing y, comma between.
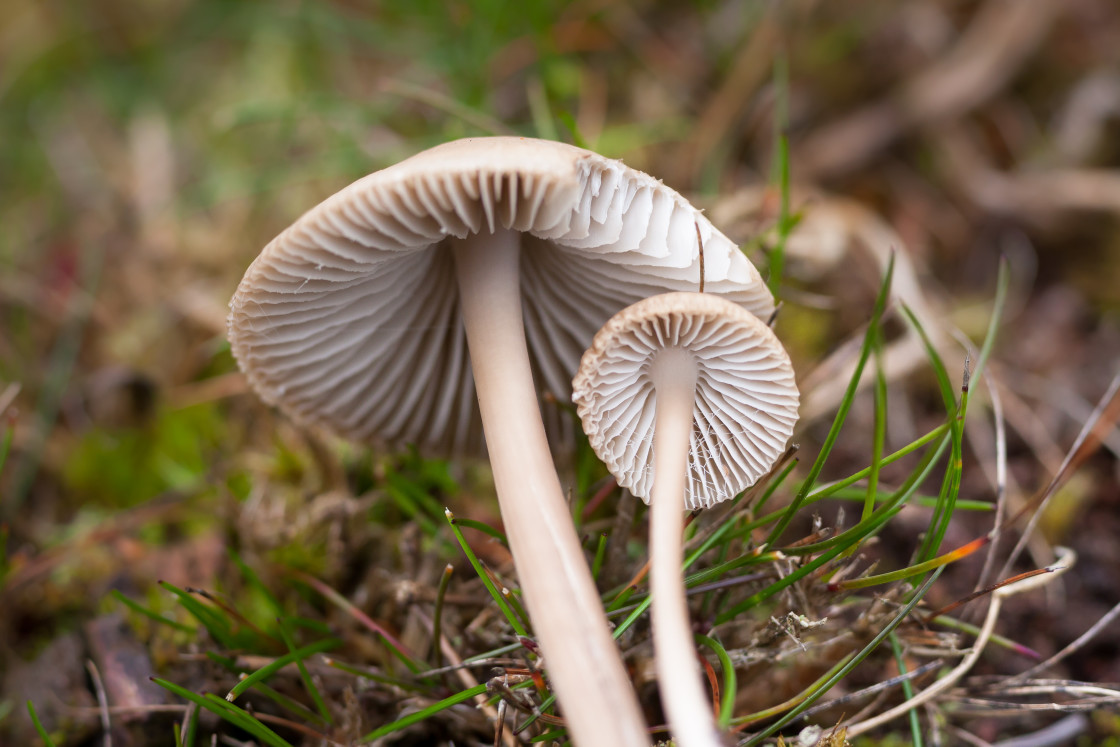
x: 686, y: 707
x: 583, y: 664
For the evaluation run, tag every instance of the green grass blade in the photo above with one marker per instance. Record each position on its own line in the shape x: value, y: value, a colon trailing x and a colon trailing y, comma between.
x: 507, y: 611
x: 880, y: 427
x: 428, y: 712
x: 730, y: 682
x: 225, y: 662
x: 939, y: 523
x: 315, y: 626
x: 943, y: 512
x: 289, y: 704
x: 708, y: 544
x: 308, y: 684
x: 6, y: 443
x: 151, y: 615
x: 622, y: 598
x: 47, y: 741
x: 927, y: 501
x: 776, y: 256
x: 632, y: 617
x: 540, y: 110
x: 216, y: 625
x: 907, y: 690
x: 1003, y: 280
x: 600, y: 556
x: 255, y: 581
x: 842, y: 413
x: 484, y: 528
x: 279, y: 663
x: 944, y: 382
x: 951, y: 485
x: 437, y: 615
x: 549, y: 736
x: 187, y: 734
x: 916, y: 569
x: 240, y: 718
x: 514, y: 602
x: 412, y: 508
x: 569, y: 121
x: 430, y: 505
x: 545, y: 707
x: 228, y: 712
x: 775, y: 483
x: 374, y: 676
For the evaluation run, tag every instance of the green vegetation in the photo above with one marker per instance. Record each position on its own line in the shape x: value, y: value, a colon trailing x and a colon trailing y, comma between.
x: 284, y: 588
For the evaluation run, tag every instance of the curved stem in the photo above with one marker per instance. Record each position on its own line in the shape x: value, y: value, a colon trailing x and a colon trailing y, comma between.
x: 683, y: 699
x: 583, y: 663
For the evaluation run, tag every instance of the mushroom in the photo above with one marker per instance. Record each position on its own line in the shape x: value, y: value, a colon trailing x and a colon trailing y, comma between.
x: 688, y: 399
x: 359, y: 318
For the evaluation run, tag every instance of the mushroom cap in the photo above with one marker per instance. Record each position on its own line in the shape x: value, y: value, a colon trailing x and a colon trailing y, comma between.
x: 746, y: 396
x: 350, y: 319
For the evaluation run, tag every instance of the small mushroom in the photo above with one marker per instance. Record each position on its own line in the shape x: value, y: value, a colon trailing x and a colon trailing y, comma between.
x: 688, y: 399
x: 360, y: 316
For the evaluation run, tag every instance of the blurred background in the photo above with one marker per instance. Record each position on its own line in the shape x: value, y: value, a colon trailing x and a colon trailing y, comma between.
x: 149, y: 150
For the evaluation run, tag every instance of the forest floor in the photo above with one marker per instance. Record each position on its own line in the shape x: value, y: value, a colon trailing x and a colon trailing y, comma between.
x: 148, y: 153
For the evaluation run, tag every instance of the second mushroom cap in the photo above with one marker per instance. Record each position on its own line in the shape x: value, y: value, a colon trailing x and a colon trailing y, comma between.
x: 746, y: 395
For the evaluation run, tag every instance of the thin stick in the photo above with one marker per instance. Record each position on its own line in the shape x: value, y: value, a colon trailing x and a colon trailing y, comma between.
x: 981, y: 592
x: 878, y: 687
x: 185, y: 727
x: 1102, y: 420
x: 1065, y: 561
x: 466, y: 679
x: 1001, y: 479
x: 437, y: 614
x: 700, y: 242
x: 1080, y: 641
x: 102, y: 703
x: 8, y: 396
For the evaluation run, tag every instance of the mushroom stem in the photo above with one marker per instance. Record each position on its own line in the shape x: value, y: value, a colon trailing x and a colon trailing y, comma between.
x: 689, y: 712
x: 583, y: 663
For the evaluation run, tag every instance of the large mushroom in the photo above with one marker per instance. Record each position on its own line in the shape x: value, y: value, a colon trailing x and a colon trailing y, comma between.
x: 688, y: 399
x: 359, y: 318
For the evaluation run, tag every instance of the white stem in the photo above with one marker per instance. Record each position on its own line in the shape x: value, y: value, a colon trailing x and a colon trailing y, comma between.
x: 683, y: 698
x: 583, y: 663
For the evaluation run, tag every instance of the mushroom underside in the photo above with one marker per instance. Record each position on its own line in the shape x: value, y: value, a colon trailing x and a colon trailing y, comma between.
x: 381, y: 356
